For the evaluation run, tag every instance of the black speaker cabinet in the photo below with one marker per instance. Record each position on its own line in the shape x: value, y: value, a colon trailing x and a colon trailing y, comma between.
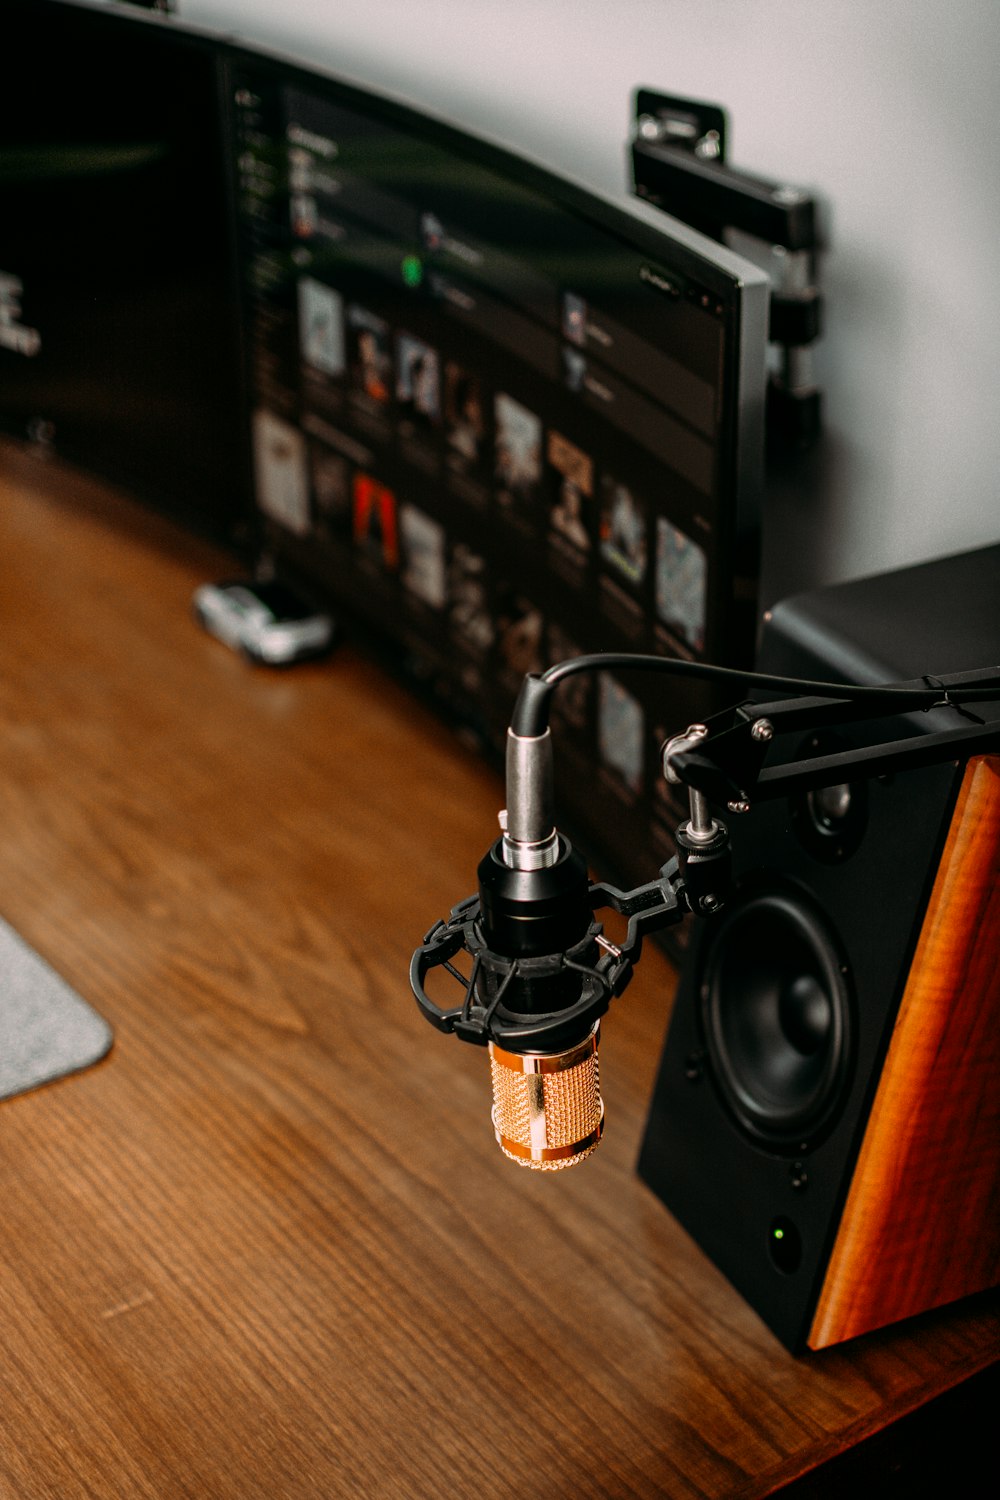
x: 826, y: 1120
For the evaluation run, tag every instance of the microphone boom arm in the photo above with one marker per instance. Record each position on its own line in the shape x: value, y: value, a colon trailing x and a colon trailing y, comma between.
x: 727, y: 764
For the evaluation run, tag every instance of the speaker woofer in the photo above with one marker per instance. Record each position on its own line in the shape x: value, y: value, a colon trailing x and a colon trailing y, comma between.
x: 776, y: 1019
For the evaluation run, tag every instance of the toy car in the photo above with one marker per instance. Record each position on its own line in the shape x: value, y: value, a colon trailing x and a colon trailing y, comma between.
x: 265, y: 620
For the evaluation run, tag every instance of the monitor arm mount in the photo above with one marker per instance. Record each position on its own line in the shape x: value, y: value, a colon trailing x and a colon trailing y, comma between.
x: 723, y: 764
x: 678, y: 156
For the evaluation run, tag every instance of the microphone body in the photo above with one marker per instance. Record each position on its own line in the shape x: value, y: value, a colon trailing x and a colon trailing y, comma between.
x: 543, y: 974
x: 547, y: 1109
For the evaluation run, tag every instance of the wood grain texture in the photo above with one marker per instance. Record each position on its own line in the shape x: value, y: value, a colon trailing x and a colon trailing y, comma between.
x: 921, y: 1225
x: 269, y: 1247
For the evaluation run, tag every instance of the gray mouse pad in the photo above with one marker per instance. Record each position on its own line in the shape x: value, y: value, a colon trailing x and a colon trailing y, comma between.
x: 46, y: 1030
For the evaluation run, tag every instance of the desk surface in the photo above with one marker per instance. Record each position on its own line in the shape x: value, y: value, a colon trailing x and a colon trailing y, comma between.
x: 269, y: 1247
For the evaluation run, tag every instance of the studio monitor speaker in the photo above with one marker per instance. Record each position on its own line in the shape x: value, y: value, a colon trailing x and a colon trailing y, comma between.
x: 826, y: 1120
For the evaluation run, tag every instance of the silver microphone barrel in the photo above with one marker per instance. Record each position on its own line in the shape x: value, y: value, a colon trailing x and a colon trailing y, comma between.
x: 547, y: 1107
x: 530, y: 841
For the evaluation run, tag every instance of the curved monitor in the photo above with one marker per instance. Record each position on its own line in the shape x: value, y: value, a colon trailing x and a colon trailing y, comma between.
x: 491, y: 418
x: 499, y: 421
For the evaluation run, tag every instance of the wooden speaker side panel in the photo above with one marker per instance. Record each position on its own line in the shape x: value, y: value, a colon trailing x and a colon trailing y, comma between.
x: 921, y: 1225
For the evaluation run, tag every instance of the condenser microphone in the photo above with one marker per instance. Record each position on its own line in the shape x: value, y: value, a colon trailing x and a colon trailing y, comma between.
x: 534, y: 898
x: 542, y: 974
x: 541, y: 978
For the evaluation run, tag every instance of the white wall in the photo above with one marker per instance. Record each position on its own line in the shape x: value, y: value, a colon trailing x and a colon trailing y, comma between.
x: 886, y: 108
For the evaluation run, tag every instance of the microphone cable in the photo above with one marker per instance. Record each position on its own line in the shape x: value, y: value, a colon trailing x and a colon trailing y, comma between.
x: 530, y: 714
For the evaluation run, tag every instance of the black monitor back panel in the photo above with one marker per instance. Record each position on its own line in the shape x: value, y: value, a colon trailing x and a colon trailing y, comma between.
x: 501, y: 422
x: 118, y: 314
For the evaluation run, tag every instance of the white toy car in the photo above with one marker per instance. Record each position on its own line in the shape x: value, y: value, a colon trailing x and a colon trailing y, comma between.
x: 265, y: 620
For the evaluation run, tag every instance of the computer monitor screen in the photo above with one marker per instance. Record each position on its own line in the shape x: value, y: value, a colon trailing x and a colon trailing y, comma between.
x: 499, y: 422
x: 119, y: 335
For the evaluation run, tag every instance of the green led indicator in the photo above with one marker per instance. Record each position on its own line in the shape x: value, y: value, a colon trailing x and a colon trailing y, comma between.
x: 413, y: 270
x: 779, y: 1234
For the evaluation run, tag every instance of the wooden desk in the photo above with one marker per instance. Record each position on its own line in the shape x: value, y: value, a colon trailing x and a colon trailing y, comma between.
x: 269, y: 1247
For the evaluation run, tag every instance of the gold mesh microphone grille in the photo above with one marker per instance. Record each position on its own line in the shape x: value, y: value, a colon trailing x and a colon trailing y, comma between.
x: 547, y: 1107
